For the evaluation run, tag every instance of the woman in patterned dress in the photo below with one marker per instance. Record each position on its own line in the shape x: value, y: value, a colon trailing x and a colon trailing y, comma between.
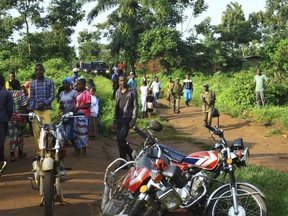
x: 17, y: 123
x: 82, y: 104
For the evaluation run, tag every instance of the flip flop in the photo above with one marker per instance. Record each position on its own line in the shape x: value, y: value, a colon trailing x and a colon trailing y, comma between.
x: 3, y: 167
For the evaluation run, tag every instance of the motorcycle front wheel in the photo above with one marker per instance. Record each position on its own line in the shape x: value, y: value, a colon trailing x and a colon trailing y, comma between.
x: 48, y: 181
x: 250, y: 203
x: 140, y: 208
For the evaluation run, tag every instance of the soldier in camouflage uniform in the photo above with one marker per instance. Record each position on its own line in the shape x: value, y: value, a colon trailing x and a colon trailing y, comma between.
x: 208, y: 98
x: 176, y: 91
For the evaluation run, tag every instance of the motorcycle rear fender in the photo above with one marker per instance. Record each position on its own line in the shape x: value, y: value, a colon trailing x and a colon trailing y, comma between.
x: 48, y: 164
x: 238, y: 183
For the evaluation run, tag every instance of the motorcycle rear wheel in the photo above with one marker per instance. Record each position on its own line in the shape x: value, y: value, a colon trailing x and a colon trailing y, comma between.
x: 249, y: 201
x: 49, y: 178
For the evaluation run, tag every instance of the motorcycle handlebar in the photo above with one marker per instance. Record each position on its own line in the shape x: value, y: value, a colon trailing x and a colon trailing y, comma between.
x: 140, y: 132
x: 214, y: 130
x: 31, y: 115
x: 210, y: 128
x: 78, y: 114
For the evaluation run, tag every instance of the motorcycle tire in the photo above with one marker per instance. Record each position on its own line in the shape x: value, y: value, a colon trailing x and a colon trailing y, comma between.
x: 49, y: 178
x: 140, y: 208
x: 251, y: 204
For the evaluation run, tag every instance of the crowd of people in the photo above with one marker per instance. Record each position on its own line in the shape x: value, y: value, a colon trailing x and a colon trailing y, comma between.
x: 78, y: 95
x: 37, y: 96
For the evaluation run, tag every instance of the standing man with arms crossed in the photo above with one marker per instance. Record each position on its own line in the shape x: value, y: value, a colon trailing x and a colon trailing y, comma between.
x: 126, y: 110
x: 6, y: 110
x: 188, y: 90
x: 41, y: 97
x: 259, y: 80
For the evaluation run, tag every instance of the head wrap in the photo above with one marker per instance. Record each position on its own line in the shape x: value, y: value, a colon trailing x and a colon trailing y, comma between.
x: 67, y: 79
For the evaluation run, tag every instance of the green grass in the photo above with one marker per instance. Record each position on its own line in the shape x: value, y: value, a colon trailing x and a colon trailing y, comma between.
x: 272, y: 183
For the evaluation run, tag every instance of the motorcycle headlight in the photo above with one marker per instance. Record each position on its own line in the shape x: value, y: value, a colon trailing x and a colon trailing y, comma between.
x: 241, y: 157
x: 245, y: 157
x: 169, y: 199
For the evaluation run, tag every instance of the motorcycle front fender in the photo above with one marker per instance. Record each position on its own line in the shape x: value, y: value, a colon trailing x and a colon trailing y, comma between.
x: 48, y: 164
x: 238, y: 183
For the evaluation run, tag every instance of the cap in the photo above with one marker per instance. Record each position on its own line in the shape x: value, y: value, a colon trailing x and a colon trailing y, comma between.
x: 177, y: 78
x: 75, y: 70
x: 206, y: 85
x: 131, y: 73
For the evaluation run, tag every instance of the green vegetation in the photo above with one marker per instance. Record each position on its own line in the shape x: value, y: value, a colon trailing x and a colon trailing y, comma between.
x: 143, y: 32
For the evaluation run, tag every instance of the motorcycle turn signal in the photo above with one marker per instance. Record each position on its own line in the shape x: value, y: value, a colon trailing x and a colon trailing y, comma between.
x: 229, y: 161
x: 143, y: 188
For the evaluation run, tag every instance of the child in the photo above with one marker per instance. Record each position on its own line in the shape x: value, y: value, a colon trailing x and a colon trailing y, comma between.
x: 93, y: 120
x: 150, y: 103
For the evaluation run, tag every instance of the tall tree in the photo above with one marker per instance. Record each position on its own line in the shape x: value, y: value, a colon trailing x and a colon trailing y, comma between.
x: 88, y: 45
x: 273, y: 23
x: 235, y: 34
x: 29, y: 14
x: 7, y: 25
x: 131, y: 18
x: 63, y: 17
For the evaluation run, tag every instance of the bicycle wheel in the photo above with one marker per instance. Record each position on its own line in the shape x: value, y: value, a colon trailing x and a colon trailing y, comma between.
x: 49, y: 192
x: 250, y: 203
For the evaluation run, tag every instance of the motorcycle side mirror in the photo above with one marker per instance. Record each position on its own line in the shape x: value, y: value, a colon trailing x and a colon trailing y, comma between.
x: 155, y: 125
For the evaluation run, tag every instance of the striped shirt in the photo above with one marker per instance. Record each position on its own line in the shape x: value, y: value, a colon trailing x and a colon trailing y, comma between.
x: 187, y: 84
x: 42, y: 91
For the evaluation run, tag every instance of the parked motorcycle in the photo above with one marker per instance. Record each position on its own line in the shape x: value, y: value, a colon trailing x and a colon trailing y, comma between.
x: 48, y: 168
x: 162, y: 179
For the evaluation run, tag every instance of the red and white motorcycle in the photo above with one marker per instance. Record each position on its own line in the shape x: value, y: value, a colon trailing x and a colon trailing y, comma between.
x: 162, y: 179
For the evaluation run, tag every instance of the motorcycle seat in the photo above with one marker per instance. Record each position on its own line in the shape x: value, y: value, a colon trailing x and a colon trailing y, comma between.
x: 175, y: 155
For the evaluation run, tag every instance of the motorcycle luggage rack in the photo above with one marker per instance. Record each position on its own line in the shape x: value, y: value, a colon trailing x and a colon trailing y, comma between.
x: 109, y: 182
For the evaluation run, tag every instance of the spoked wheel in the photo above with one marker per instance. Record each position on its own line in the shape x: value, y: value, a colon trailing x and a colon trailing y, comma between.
x: 49, y: 192
x: 250, y: 203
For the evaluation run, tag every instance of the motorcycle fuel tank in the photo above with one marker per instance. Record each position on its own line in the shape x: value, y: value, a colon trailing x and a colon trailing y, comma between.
x: 207, y: 160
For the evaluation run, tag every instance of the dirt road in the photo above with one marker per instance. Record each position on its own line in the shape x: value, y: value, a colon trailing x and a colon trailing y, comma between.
x: 86, y: 184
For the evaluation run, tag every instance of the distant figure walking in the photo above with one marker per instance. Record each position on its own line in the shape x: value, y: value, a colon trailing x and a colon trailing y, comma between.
x: 208, y: 98
x: 259, y: 80
x: 168, y: 86
x: 150, y: 103
x: 156, y: 88
x: 188, y: 90
x: 143, y: 95
x: 115, y: 83
x: 176, y: 91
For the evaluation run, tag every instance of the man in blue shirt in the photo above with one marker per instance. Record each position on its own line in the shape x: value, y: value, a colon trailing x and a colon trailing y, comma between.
x: 132, y: 82
x: 41, y: 97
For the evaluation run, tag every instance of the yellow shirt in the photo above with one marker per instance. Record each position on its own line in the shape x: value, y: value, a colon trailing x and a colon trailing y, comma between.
x: 7, y: 85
